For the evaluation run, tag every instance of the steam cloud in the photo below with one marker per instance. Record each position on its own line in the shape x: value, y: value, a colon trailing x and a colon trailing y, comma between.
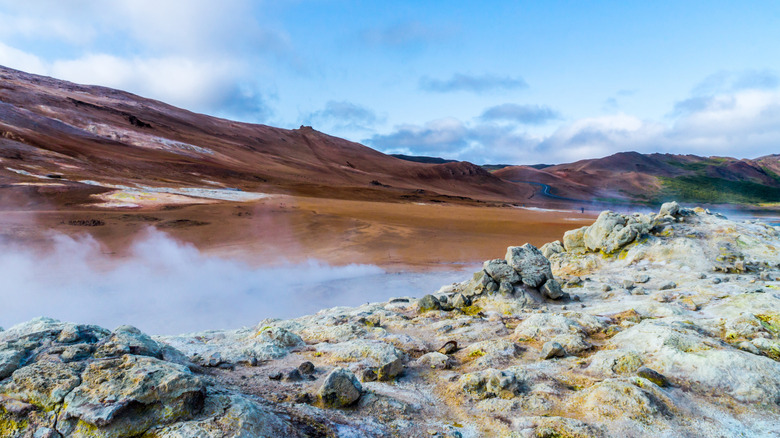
x: 169, y: 287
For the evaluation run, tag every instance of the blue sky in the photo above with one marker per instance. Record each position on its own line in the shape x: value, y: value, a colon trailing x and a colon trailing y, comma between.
x: 489, y: 82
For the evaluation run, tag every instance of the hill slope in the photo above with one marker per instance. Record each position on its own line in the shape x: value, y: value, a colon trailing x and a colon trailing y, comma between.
x: 74, y: 133
x: 652, y: 178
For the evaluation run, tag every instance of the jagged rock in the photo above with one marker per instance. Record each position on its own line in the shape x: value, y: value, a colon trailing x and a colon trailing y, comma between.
x: 551, y: 248
x: 340, y: 389
x: 552, y: 349
x: 574, y: 240
x: 124, y: 397
x: 500, y: 271
x: 128, y: 340
x: 642, y: 278
x: 43, y: 384
x: 552, y: 290
x: 506, y: 289
x: 460, y: 301
x: 10, y: 359
x: 669, y: 209
x: 530, y: 263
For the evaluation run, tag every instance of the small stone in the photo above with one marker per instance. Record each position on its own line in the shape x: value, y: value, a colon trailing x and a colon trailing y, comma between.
x: 644, y: 278
x: 552, y: 349
x: 428, y: 302
x: 368, y: 375
x: 306, y: 368
x: 606, y: 288
x: 275, y: 375
x: 627, y: 284
x: 449, y: 347
x: 689, y: 304
x: 668, y: 285
x: 551, y: 289
x: 653, y: 376
x: 341, y: 388
x: 716, y: 280
x: 293, y: 375
x: 702, y: 276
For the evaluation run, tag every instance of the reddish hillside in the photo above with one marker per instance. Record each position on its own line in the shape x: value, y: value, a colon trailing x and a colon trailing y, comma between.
x: 655, y: 177
x: 73, y: 133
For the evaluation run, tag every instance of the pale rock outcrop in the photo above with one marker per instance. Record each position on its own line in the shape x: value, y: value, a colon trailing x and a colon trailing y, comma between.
x: 530, y: 264
x: 341, y: 388
x: 383, y: 359
x: 490, y: 383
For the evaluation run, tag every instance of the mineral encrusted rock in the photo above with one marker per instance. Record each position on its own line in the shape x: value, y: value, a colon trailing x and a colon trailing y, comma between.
x: 666, y: 325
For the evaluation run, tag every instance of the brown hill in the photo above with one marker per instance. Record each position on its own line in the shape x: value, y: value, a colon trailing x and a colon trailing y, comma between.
x: 635, y: 177
x: 73, y: 133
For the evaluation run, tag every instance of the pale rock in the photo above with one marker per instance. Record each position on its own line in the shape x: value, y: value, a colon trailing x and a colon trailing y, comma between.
x: 574, y: 240
x: 340, y: 389
x: 669, y: 209
x: 551, y: 248
x: 552, y: 349
x: 385, y: 359
x: 43, y: 384
x: 124, y: 397
x: 435, y: 360
x: 490, y: 383
x: 615, y: 399
x: 530, y: 263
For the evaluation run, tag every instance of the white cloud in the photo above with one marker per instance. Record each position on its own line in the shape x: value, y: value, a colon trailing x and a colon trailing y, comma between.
x: 21, y: 60
x: 202, y: 55
x: 743, y: 124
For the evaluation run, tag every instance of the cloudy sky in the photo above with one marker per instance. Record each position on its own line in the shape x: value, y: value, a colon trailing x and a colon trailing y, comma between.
x: 515, y: 82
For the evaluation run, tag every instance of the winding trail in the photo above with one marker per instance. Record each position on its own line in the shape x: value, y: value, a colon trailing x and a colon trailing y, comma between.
x: 546, y: 192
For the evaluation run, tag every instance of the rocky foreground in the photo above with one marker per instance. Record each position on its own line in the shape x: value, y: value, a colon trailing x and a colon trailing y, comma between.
x: 646, y: 325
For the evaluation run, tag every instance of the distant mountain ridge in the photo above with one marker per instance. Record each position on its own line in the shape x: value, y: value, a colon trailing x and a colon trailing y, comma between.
x: 654, y: 178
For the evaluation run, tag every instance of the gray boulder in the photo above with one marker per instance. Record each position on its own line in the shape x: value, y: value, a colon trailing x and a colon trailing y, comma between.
x: 341, y: 388
x: 10, y: 360
x: 552, y: 289
x: 125, y: 396
x: 427, y: 303
x: 552, y: 349
x: 530, y: 263
x: 499, y: 271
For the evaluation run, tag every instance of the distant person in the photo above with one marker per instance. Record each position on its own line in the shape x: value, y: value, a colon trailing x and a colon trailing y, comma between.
x: 582, y: 210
